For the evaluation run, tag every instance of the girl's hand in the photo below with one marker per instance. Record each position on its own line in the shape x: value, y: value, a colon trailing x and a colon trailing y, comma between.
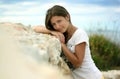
x: 59, y: 35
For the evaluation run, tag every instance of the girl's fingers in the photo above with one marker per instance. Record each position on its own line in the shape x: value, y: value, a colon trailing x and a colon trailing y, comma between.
x: 59, y: 35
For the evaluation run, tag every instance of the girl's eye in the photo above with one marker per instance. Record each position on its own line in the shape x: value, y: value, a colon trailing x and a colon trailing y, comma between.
x: 58, y: 21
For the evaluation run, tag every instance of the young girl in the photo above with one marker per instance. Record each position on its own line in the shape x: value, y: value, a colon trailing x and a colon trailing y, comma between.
x: 74, y: 42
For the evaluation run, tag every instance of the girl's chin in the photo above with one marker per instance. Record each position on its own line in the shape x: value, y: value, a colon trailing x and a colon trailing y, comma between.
x: 62, y: 32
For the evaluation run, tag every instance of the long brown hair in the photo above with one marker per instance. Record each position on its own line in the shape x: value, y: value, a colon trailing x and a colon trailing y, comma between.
x: 56, y: 10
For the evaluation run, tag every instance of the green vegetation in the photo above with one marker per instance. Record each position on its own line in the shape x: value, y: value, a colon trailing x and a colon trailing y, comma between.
x: 105, y: 53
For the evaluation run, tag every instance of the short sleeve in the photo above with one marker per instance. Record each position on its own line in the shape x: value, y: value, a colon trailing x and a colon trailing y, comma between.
x: 78, y: 37
x: 81, y: 36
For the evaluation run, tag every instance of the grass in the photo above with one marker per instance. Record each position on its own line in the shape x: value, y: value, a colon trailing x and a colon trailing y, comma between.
x: 105, y: 45
x: 105, y: 53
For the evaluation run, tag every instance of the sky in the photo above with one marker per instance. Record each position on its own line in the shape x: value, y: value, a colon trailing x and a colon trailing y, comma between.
x: 87, y: 14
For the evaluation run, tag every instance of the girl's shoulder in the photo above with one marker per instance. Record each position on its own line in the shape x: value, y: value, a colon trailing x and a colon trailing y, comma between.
x: 80, y: 32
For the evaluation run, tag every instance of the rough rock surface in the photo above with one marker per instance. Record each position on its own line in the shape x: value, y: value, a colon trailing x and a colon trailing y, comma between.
x: 111, y: 74
x: 36, y: 52
x: 25, y: 54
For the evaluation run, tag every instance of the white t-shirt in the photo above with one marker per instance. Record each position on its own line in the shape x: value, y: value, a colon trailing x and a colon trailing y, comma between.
x: 88, y: 69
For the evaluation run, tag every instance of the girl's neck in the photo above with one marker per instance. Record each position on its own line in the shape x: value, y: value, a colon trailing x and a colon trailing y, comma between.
x: 70, y: 31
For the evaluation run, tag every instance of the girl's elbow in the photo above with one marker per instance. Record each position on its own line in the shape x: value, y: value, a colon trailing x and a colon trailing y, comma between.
x: 34, y: 28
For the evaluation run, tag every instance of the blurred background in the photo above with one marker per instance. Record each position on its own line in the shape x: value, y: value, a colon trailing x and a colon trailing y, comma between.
x: 100, y: 19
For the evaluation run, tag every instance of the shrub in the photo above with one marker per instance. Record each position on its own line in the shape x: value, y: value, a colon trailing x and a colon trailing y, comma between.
x: 105, y: 53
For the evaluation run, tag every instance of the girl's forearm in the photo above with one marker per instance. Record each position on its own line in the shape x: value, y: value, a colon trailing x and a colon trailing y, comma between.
x: 71, y: 57
x: 41, y: 29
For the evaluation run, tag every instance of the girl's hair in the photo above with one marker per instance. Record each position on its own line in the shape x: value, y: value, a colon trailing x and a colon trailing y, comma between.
x: 56, y: 10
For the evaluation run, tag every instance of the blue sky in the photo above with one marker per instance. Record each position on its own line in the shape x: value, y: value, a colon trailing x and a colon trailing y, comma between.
x: 88, y: 14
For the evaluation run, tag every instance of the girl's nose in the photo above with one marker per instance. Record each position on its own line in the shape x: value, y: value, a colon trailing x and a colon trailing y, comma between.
x: 57, y: 26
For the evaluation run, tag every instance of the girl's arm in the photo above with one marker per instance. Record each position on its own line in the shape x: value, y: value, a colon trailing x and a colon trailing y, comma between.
x: 41, y: 29
x: 75, y: 58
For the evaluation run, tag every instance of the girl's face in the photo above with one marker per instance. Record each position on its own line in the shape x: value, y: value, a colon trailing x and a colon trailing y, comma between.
x: 60, y: 23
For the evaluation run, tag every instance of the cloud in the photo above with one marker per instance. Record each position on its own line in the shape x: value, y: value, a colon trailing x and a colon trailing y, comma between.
x: 26, y: 8
x: 117, y: 10
x: 85, y: 9
x: 18, y: 8
x: 25, y: 12
x: 33, y: 20
x: 36, y: 8
x: 30, y: 12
